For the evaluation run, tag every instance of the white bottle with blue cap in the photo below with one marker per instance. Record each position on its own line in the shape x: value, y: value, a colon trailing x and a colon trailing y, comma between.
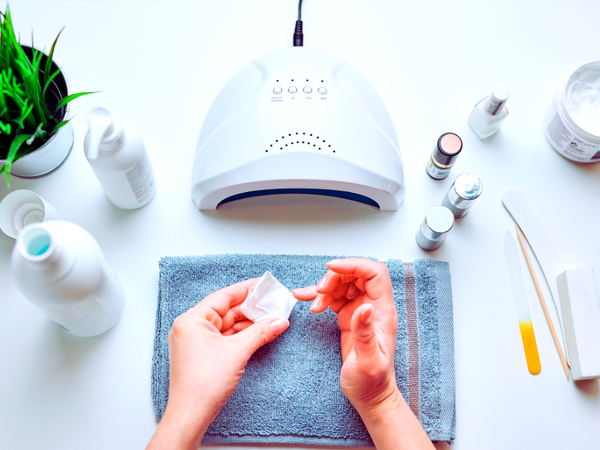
x: 118, y: 156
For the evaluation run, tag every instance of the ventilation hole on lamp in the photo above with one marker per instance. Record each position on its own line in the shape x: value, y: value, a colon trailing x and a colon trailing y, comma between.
x: 286, y: 144
x: 292, y: 79
x: 292, y: 143
x: 307, y: 80
x: 330, y: 145
x: 297, y: 142
x: 303, y: 133
x: 266, y: 151
x: 321, y: 81
x: 296, y: 132
x: 314, y: 145
x: 317, y: 137
x: 281, y: 148
x: 303, y: 142
x: 282, y: 137
x: 334, y: 151
x: 319, y: 148
x: 311, y: 134
x: 271, y: 145
x: 289, y: 134
x: 276, y: 140
x: 323, y: 140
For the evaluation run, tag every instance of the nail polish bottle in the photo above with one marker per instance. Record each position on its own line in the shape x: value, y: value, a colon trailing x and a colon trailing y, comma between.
x: 490, y: 113
x: 444, y: 155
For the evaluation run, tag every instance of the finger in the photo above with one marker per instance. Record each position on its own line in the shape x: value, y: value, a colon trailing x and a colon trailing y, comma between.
x: 364, y: 338
x: 374, y: 274
x: 305, y: 294
x: 338, y: 304
x: 331, y: 281
x: 233, y: 316
x: 224, y: 299
x: 239, y: 326
x: 324, y: 300
x: 259, y: 334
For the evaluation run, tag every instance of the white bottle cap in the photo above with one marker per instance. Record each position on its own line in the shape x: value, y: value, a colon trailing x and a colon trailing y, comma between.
x: 21, y: 208
x: 105, y: 133
x: 500, y: 93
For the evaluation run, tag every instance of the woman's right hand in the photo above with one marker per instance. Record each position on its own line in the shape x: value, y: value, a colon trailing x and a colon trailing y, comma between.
x: 360, y: 292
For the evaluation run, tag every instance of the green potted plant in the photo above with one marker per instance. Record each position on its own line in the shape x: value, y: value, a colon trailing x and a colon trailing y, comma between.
x: 35, y: 134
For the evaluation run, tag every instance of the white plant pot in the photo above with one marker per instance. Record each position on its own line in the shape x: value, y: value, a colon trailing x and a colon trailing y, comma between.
x: 53, y: 153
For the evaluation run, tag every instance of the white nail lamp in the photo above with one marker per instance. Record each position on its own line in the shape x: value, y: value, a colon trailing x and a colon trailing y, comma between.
x: 298, y: 120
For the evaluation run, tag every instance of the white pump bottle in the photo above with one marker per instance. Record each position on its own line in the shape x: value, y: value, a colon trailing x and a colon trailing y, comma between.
x: 118, y: 157
x: 61, y: 269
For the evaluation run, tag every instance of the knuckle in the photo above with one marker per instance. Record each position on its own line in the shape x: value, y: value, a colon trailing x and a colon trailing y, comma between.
x: 262, y: 335
x: 180, y: 325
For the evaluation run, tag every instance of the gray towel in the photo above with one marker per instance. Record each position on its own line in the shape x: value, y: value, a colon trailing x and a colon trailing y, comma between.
x: 290, y: 392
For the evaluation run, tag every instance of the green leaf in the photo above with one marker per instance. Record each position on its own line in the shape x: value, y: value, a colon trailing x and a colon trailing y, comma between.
x: 67, y: 99
x: 14, y: 148
x: 59, y: 126
x: 48, y: 81
x: 49, y: 59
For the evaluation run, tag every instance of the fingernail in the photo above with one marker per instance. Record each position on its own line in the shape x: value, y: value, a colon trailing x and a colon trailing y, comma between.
x: 314, y: 305
x: 334, y: 261
x: 298, y: 290
x: 278, y: 326
x: 321, y: 283
x: 367, y: 316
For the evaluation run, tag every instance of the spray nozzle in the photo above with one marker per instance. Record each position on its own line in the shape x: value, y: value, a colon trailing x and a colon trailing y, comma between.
x: 101, y: 124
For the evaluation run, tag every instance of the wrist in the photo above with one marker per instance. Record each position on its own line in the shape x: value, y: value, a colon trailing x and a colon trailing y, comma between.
x: 388, y: 403
x: 180, y: 430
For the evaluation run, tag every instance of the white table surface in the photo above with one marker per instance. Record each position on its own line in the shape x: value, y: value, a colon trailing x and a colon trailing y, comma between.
x: 160, y: 65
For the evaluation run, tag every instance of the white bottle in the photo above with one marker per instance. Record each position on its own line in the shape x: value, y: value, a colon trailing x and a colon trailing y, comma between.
x: 60, y: 268
x: 490, y: 113
x: 117, y: 154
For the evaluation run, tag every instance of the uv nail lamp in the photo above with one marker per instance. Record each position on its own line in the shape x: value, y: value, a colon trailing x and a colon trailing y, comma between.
x: 298, y: 121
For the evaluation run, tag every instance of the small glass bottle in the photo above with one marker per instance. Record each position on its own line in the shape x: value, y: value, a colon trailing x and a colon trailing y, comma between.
x: 462, y: 194
x: 490, y: 113
x: 444, y: 155
x: 434, y: 229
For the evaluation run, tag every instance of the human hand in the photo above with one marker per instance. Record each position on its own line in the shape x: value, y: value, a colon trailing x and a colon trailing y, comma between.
x: 360, y: 292
x: 209, y: 346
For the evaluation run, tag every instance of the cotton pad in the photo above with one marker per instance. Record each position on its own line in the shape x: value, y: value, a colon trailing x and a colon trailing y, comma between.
x: 269, y: 300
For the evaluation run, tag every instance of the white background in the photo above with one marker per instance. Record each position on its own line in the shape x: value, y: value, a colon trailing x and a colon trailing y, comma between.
x: 160, y: 65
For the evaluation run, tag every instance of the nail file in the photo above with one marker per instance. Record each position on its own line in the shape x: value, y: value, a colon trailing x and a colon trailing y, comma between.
x: 521, y: 304
x: 541, y: 245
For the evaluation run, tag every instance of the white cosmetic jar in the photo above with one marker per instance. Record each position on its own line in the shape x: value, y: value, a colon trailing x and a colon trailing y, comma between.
x: 572, y: 122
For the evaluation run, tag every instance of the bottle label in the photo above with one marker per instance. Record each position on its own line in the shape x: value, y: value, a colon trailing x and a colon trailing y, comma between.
x: 494, y: 106
x: 566, y: 142
x: 141, y: 179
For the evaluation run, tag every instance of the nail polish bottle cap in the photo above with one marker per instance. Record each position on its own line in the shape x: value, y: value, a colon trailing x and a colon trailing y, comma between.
x: 447, y: 149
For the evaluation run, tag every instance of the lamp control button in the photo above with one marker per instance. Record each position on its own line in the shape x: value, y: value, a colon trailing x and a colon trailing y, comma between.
x: 307, y: 90
x: 277, y: 90
x: 292, y: 90
x: 322, y: 91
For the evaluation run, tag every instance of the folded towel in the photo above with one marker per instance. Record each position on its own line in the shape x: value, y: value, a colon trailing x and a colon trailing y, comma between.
x: 290, y: 391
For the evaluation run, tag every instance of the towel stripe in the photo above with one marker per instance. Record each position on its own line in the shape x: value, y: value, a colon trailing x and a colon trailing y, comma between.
x: 413, y: 338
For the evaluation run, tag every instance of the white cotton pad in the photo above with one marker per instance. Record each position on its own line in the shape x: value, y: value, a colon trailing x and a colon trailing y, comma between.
x: 269, y: 300
x: 581, y: 315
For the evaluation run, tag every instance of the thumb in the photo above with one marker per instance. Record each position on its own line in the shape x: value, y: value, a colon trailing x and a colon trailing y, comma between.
x: 364, y: 339
x: 260, y: 333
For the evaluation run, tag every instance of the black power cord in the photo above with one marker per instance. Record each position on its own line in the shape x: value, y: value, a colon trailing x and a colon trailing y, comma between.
x: 298, y: 36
